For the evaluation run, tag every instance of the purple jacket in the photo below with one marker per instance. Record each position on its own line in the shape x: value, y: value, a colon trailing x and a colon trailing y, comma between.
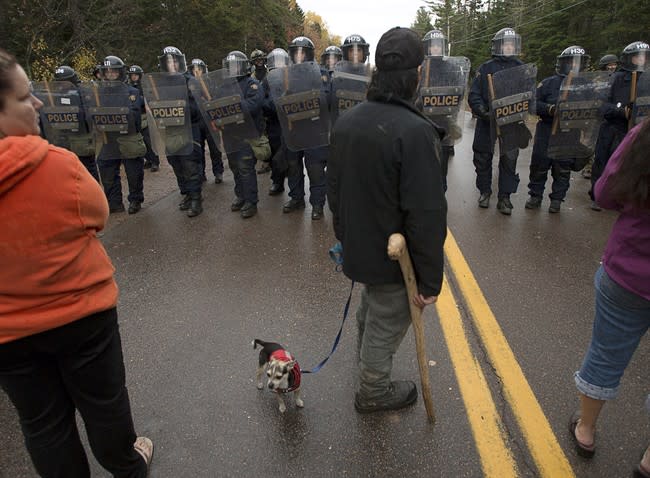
x: 627, y: 254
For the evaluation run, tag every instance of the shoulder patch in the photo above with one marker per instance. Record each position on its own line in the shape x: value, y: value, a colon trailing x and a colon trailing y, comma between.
x: 478, y: 73
x: 132, y: 98
x: 540, y: 84
x: 254, y: 86
x: 325, y: 78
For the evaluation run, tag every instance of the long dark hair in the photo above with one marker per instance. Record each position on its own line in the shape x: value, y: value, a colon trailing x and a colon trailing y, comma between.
x: 631, y: 183
x: 7, y: 64
x: 386, y: 85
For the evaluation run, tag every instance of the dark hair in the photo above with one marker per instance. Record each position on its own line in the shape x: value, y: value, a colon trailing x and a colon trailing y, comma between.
x: 400, y: 84
x: 7, y: 64
x: 631, y: 183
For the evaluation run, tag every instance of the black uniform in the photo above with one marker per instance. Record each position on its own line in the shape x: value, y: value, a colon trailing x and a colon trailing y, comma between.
x: 548, y: 92
x: 484, y: 139
x: 614, y: 128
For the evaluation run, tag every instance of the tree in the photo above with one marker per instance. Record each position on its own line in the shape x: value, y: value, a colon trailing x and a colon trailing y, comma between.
x: 422, y: 23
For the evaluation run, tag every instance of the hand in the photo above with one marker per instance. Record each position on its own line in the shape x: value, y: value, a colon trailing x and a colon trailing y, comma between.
x: 483, y: 113
x: 422, y: 301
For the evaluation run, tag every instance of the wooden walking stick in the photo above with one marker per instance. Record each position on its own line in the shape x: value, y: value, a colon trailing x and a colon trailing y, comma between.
x: 398, y: 251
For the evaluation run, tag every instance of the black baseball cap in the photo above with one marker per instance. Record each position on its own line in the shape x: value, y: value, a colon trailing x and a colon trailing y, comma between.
x: 399, y: 49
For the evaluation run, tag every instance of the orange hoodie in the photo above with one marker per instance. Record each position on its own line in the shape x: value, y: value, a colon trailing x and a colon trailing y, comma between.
x: 53, y: 269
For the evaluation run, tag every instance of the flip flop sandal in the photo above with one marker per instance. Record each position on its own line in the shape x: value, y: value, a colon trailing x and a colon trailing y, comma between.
x: 585, y: 451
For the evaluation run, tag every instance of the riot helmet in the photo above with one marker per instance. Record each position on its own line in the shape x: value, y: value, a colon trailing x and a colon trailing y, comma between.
x: 330, y: 57
x: 66, y: 73
x: 258, y: 58
x: 172, y: 60
x: 635, y: 56
x: 137, y: 72
x: 572, y: 59
x: 278, y: 58
x: 301, y: 50
x: 506, y: 43
x: 236, y: 64
x: 198, y: 68
x: 355, y: 43
x: 113, y: 69
x: 608, y: 63
x: 435, y: 43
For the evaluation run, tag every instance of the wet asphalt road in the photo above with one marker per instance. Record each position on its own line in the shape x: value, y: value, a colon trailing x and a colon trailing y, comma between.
x: 195, y: 292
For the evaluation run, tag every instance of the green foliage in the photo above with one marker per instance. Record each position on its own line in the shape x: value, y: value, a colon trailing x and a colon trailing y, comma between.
x: 546, y: 26
x: 46, y: 33
x: 422, y: 22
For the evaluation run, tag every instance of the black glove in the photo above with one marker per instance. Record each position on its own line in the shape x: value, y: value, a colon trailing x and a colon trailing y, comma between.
x: 482, y: 112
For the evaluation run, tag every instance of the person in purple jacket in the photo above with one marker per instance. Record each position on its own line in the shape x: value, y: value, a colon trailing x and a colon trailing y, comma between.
x: 622, y: 287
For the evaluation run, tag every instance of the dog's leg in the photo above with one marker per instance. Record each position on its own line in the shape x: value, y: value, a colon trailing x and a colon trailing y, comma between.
x: 281, y: 404
x: 299, y: 402
x: 260, y: 372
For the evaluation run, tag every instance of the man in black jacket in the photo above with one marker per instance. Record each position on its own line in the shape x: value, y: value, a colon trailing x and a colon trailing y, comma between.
x: 383, y: 177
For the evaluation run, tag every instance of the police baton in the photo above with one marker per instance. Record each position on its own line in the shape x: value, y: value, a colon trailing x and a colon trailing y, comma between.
x: 398, y: 251
x: 565, y: 93
x: 492, y: 97
x: 630, y: 121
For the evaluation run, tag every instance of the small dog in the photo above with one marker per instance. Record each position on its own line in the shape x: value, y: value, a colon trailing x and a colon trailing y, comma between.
x: 282, y: 370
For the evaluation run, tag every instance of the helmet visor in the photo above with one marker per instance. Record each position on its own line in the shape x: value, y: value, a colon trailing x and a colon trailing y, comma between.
x: 507, y: 46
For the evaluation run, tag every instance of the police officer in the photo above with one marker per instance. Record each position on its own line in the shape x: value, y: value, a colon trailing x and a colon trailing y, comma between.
x: 435, y: 47
x: 199, y: 68
x: 330, y: 57
x: 187, y: 167
x: 618, y: 108
x: 97, y: 73
x: 113, y: 69
x: 151, y: 160
x: 82, y: 144
x: 242, y: 162
x: 301, y: 50
x: 609, y: 63
x: 277, y: 58
x: 572, y: 59
x: 506, y: 48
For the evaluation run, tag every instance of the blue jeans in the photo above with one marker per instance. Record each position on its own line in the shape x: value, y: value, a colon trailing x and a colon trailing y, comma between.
x: 622, y: 319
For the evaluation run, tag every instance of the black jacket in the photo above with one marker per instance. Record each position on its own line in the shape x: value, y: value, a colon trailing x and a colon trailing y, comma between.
x: 383, y: 176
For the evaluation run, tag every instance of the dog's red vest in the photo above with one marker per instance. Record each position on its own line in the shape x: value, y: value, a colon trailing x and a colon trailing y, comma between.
x: 294, y: 373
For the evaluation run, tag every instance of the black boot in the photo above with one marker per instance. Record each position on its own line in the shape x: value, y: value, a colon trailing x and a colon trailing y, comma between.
x: 196, y: 204
x: 184, y: 205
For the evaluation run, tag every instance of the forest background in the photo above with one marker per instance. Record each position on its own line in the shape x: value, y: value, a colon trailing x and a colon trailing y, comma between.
x: 44, y: 34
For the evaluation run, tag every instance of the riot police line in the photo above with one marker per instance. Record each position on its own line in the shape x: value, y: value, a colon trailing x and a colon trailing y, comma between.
x: 277, y: 110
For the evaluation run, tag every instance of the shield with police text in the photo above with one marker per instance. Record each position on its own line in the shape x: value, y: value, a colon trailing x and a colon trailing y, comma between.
x: 349, y: 83
x: 443, y: 86
x: 168, y: 113
x: 109, y: 111
x: 577, y: 117
x: 224, y: 110
x: 62, y: 114
x: 641, y: 108
x: 301, y: 105
x: 512, y: 100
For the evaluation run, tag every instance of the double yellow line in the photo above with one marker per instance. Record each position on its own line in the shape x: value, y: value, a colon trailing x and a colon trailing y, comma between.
x: 486, y: 424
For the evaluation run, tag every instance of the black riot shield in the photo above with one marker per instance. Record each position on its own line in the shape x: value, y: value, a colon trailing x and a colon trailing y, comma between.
x: 168, y: 113
x: 577, y: 119
x: 62, y: 115
x: 512, y: 100
x: 641, y: 109
x: 442, y: 92
x: 349, y: 83
x: 108, y: 108
x: 301, y: 105
x: 224, y: 110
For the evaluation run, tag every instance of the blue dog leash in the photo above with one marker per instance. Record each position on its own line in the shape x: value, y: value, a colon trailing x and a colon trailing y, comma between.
x: 338, y: 336
x: 336, y: 254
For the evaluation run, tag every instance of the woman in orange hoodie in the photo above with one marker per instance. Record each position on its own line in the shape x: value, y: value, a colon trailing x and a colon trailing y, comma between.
x: 60, y: 348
